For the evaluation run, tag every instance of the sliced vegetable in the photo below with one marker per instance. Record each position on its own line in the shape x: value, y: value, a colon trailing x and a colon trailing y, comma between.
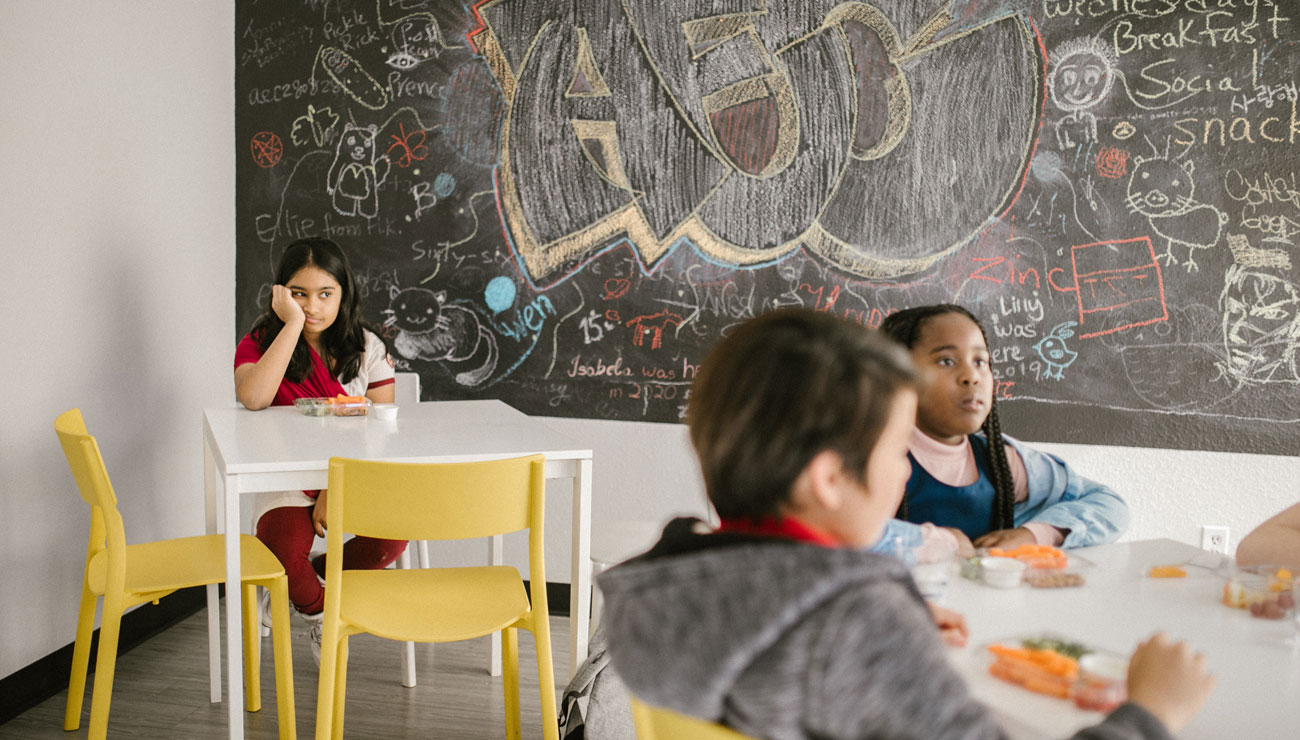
x: 1166, y: 571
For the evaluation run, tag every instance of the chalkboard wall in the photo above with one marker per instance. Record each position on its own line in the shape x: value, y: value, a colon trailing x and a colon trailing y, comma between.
x: 564, y: 204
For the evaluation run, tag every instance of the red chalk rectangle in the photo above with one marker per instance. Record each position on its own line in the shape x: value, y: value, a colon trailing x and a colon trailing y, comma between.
x: 1118, y: 286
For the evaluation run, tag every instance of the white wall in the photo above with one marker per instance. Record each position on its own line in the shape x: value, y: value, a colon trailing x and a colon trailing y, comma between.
x: 118, y: 253
x: 117, y: 187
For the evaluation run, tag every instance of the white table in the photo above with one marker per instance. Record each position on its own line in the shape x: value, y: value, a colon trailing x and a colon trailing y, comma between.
x: 1258, y: 673
x: 280, y: 449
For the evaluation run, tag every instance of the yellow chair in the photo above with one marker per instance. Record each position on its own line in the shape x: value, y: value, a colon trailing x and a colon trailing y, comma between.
x: 126, y: 575
x: 413, y: 501
x: 655, y: 723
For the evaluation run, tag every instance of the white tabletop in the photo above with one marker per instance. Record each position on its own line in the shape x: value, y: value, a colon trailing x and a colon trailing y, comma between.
x: 282, y: 439
x: 1258, y: 672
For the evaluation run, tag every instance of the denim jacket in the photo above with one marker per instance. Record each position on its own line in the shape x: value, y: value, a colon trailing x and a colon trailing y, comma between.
x: 1093, y: 514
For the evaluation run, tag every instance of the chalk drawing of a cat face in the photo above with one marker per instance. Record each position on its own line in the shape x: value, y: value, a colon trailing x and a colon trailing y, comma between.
x: 1159, y: 187
x: 416, y: 310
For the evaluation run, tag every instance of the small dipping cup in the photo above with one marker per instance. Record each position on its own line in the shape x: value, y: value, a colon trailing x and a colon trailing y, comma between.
x: 1002, y: 572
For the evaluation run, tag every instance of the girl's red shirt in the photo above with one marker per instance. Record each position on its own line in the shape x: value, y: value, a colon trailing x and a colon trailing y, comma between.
x: 319, y: 383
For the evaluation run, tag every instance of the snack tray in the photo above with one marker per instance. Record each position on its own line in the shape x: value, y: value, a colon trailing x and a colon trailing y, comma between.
x: 331, y: 406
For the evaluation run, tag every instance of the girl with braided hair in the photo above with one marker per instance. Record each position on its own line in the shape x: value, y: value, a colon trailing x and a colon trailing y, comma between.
x: 986, y: 488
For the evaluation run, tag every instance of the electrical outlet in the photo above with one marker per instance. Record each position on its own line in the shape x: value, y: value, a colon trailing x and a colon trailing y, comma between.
x: 1214, y: 538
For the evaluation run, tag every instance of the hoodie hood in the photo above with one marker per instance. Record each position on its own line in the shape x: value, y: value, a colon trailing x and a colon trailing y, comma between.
x: 687, y: 618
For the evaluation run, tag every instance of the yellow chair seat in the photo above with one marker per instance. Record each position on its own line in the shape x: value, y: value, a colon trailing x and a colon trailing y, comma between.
x: 168, y: 565
x: 438, y: 605
x: 435, y: 501
x: 657, y: 723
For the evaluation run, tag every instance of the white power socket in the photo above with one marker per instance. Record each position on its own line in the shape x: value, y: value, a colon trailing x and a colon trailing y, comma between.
x: 1214, y: 538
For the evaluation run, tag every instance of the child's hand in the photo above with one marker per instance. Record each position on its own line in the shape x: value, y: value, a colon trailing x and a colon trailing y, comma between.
x: 318, y: 514
x: 286, y: 307
x: 964, y: 547
x: 1006, y: 538
x: 1168, y: 681
x: 952, y: 626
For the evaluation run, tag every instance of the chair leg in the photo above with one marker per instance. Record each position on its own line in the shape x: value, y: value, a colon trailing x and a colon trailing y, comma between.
x: 105, y: 664
x: 510, y: 680
x: 80, y: 659
x: 597, y: 599
x: 252, y: 656
x: 340, y: 689
x: 546, y: 676
x: 329, y: 662
x: 496, y: 556
x: 408, y: 665
x: 282, y: 646
x: 408, y: 648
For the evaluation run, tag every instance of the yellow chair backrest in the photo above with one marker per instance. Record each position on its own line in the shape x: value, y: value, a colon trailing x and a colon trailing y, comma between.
x: 656, y: 723
x: 413, y: 501
x: 107, y: 532
x: 84, y: 459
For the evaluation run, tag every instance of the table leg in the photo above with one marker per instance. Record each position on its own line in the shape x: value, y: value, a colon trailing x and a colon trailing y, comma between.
x: 495, y: 557
x: 210, y: 483
x: 234, y: 616
x: 580, y: 569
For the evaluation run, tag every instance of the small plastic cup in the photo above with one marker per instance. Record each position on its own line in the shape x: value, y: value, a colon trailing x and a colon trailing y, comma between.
x: 384, y: 411
x: 1103, y: 682
x: 1002, y: 572
x: 932, y: 578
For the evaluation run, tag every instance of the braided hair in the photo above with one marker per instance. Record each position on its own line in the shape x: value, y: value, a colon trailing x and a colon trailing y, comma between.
x: 905, y: 327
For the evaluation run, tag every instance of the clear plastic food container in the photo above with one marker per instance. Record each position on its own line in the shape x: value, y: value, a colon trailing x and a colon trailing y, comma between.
x: 1265, y: 590
x: 1045, y: 567
x: 1054, y: 665
x: 349, y: 405
x: 313, y: 406
x: 337, y: 406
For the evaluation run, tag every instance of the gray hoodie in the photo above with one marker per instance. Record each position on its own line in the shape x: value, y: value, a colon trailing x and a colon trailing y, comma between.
x: 787, y: 640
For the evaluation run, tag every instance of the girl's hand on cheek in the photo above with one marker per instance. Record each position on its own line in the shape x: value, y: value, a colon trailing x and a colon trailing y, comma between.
x: 286, y: 307
x: 1011, y: 538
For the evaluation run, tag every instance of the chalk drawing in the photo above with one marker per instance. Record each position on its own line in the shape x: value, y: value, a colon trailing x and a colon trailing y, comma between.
x: 429, y: 328
x: 357, y: 172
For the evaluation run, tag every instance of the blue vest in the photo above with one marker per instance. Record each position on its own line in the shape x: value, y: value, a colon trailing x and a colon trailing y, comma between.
x: 968, y: 508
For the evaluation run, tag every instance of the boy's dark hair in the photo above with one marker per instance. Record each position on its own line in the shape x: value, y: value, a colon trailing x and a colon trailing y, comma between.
x: 344, y: 342
x: 779, y: 390
x: 905, y: 327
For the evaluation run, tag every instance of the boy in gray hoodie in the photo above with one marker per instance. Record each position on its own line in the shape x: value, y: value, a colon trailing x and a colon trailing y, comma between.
x: 780, y: 624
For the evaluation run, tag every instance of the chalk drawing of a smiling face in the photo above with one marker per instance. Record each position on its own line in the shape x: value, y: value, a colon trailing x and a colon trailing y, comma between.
x: 1082, y: 73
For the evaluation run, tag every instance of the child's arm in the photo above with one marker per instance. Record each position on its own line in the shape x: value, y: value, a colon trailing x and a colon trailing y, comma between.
x: 1275, y: 542
x: 924, y: 543
x: 382, y: 394
x: 379, y: 370
x: 257, y: 382
x: 1087, y: 511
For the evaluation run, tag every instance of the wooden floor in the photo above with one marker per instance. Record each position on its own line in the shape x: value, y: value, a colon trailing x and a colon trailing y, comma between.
x: 161, y: 691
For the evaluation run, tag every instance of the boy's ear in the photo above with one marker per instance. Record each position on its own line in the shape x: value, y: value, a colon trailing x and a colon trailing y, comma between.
x: 819, y: 485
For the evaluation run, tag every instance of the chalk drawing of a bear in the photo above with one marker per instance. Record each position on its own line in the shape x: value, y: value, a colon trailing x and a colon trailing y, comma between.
x: 357, y: 172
